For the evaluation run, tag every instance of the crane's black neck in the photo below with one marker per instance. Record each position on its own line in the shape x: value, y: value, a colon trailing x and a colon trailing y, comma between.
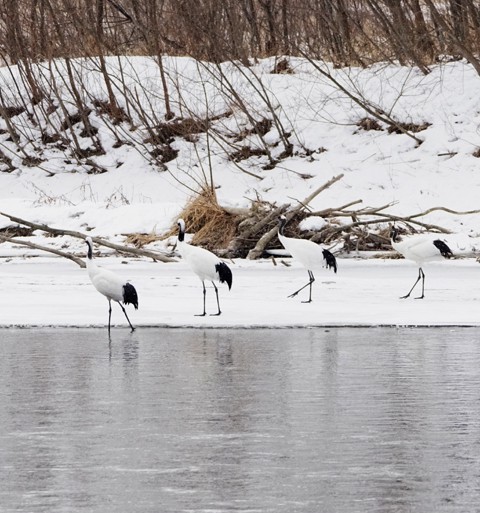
x: 181, y: 234
x: 394, y: 235
x: 281, y: 226
x: 90, y: 252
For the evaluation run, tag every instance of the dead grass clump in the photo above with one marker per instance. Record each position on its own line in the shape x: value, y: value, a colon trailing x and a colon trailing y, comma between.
x: 164, y: 153
x: 165, y: 133
x: 11, y: 112
x: 260, y: 128
x: 115, y: 112
x: 213, y: 227
x: 74, y: 119
x: 7, y: 163
x: 409, y: 127
x: 30, y: 161
x: 93, y: 151
x: 183, y: 127
x: 16, y: 231
x: 139, y: 240
x: 369, y: 124
x: 245, y: 152
x: 50, y: 138
x: 282, y: 67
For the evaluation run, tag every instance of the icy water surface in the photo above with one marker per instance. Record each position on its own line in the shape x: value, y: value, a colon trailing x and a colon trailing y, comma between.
x: 280, y: 421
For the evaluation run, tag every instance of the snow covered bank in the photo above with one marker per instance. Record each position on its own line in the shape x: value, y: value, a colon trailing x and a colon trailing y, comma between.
x: 54, y: 292
x: 378, y: 166
x: 133, y: 195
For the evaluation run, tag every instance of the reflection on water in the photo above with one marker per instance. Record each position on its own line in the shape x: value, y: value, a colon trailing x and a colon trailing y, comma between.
x: 338, y: 420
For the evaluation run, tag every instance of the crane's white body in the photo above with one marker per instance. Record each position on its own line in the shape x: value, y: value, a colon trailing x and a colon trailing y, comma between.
x: 306, y: 252
x: 201, y: 261
x: 105, y: 281
x: 204, y: 264
x: 419, y: 248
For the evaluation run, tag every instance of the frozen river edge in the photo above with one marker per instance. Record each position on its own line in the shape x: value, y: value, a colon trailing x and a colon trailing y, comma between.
x: 51, y: 292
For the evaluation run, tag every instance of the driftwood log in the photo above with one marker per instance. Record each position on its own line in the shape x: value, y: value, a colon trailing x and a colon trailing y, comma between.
x: 28, y: 244
x: 155, y: 255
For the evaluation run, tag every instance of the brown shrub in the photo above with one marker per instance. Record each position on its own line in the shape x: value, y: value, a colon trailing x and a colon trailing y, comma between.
x: 212, y: 225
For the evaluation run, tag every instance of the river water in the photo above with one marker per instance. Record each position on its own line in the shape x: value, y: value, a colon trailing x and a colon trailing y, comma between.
x: 313, y: 420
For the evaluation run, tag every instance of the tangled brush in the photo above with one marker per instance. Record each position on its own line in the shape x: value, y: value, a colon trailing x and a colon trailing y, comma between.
x: 213, y: 227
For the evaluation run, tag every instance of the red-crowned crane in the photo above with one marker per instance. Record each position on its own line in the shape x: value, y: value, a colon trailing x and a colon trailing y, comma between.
x: 419, y: 248
x: 309, y: 254
x: 112, y: 286
x: 204, y: 264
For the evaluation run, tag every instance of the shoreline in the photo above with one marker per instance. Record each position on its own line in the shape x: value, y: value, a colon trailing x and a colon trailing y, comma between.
x: 52, y: 292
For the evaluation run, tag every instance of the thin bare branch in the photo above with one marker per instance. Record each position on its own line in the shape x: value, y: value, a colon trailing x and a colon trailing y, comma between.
x: 155, y: 255
x: 28, y: 244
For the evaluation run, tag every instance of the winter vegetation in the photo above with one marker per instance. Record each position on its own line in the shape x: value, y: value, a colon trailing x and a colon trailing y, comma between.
x: 119, y: 117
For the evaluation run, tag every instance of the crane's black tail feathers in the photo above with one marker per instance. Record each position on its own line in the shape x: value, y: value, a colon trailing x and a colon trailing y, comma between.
x: 130, y: 295
x: 445, y: 251
x: 330, y: 260
x: 224, y: 274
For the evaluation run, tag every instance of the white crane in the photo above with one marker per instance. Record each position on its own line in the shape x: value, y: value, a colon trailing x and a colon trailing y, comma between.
x: 309, y: 254
x: 204, y: 264
x: 112, y: 286
x: 419, y: 248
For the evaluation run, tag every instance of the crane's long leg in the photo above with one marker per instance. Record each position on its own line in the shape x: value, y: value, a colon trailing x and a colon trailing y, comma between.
x: 218, y: 302
x: 123, y: 309
x: 204, y: 296
x: 310, y: 281
x: 423, y: 285
x: 420, y: 273
x: 109, y: 314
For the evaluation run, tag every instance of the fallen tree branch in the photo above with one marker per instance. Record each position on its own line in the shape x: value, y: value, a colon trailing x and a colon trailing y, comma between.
x: 444, y: 209
x: 316, y: 192
x: 75, y: 259
x: 345, y: 227
x: 334, y: 211
x: 123, y: 249
x: 237, y: 242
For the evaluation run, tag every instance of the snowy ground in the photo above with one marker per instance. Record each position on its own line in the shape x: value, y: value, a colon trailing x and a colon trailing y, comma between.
x: 51, y: 291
